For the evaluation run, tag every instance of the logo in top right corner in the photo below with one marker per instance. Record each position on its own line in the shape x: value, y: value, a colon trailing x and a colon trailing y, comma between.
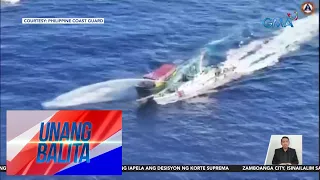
x: 308, y: 8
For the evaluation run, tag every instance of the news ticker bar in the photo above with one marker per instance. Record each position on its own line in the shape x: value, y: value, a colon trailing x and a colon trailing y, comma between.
x: 214, y: 168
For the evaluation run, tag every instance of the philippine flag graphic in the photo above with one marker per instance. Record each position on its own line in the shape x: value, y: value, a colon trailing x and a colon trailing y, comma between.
x: 30, y: 153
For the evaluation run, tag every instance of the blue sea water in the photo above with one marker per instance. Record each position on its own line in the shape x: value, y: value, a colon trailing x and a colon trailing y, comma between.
x: 233, y: 126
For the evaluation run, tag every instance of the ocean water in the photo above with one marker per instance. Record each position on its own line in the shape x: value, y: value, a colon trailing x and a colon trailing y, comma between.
x: 231, y: 126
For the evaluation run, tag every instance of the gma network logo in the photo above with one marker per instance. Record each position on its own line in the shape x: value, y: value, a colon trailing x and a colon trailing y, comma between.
x: 281, y: 22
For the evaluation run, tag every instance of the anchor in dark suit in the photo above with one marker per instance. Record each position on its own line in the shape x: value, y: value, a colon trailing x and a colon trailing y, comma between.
x: 285, y: 155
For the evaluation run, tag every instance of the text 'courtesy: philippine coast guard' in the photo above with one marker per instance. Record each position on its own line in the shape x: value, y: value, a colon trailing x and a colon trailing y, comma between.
x: 62, y: 20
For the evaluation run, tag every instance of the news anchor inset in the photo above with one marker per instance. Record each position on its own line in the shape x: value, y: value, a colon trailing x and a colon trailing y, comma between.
x: 290, y: 152
x: 285, y: 155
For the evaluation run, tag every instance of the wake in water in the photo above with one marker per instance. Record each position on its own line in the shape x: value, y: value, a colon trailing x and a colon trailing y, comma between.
x: 264, y: 53
x: 10, y: 1
x: 259, y: 54
x: 255, y: 56
x: 246, y: 60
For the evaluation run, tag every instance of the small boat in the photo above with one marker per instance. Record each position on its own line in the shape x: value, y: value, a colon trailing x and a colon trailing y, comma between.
x: 158, y: 80
x: 167, y: 79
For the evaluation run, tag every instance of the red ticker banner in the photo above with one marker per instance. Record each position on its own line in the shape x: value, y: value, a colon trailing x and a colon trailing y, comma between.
x: 219, y: 168
x: 213, y: 168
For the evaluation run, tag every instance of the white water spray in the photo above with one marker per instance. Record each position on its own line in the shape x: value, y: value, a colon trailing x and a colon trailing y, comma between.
x: 100, y: 92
